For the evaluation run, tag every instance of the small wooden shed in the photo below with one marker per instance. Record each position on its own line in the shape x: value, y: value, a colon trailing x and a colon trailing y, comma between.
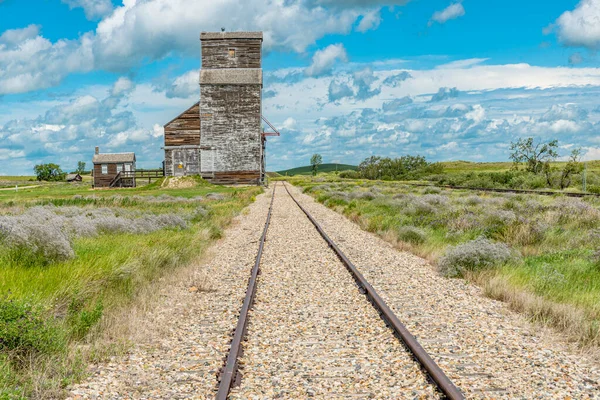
x: 73, y: 178
x: 113, y: 169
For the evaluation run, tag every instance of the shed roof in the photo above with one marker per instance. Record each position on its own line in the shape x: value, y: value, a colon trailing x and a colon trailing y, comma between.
x: 108, y: 158
x: 71, y: 177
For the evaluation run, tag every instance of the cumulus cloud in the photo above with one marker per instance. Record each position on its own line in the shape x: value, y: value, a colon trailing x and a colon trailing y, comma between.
x: 339, y: 90
x: 445, y: 93
x: 570, y: 112
x: 453, y: 11
x: 575, y: 58
x: 324, y: 60
x: 185, y: 86
x: 395, y: 80
x: 28, y: 61
x: 369, y: 21
x: 139, y: 31
x: 579, y: 27
x: 395, y: 104
x: 68, y: 132
x: 362, y: 81
x: 92, y: 8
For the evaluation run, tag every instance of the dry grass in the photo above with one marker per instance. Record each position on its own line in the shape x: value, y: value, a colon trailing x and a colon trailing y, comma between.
x: 573, y: 322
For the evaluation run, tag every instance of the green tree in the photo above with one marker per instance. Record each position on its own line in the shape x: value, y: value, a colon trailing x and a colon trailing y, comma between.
x: 315, y: 161
x: 80, y: 167
x: 535, y: 156
x: 49, y: 172
x: 574, y: 166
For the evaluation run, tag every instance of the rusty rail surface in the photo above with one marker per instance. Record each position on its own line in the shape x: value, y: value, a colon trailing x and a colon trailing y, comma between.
x: 231, y: 366
x: 502, y: 190
x: 435, y: 372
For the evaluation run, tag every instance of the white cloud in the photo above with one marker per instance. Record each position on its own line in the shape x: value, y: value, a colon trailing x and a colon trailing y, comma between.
x: 591, y: 153
x: 289, y: 123
x: 7, y: 154
x: 581, y: 26
x: 185, y: 86
x: 140, y: 31
x: 29, y: 61
x: 453, y: 11
x: 369, y: 21
x: 15, y: 37
x: 477, y: 114
x: 92, y: 8
x: 576, y: 58
x: 565, y: 126
x: 459, y: 64
x: 324, y: 60
x: 121, y: 87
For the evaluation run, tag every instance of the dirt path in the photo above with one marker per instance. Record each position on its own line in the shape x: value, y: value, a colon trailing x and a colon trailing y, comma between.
x: 21, y: 187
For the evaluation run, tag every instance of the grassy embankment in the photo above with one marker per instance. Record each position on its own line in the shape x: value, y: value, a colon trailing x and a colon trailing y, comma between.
x: 72, y: 258
x: 540, y: 254
x: 501, y: 175
x: 307, y: 170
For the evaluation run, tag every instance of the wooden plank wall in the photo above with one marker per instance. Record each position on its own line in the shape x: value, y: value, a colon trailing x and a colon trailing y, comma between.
x: 233, y: 128
x: 104, y: 180
x: 215, y: 53
x: 185, y: 129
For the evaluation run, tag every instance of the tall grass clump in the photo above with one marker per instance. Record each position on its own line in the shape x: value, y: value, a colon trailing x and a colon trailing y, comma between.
x: 411, y: 234
x: 474, y: 256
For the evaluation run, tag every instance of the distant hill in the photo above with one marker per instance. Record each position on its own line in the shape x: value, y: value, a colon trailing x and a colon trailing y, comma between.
x: 322, y: 168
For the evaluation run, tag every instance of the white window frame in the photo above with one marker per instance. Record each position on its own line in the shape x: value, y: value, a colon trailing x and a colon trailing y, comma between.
x: 119, y: 167
x: 128, y: 167
x: 104, y: 168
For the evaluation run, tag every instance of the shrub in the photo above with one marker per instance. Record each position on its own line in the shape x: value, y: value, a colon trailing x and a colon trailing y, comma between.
x: 476, y: 255
x: 593, y: 189
x: 411, y: 234
x: 25, y: 331
x: 435, y: 199
x: 432, y: 190
x: 349, y: 174
x: 473, y: 200
x: 362, y: 195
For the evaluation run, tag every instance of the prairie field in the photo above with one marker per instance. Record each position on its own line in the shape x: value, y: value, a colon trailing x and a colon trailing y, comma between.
x: 71, y: 257
x: 540, y: 254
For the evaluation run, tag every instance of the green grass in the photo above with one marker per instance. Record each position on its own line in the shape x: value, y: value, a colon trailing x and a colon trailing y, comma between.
x: 56, y: 305
x: 555, y: 274
x: 454, y: 167
x: 322, y: 168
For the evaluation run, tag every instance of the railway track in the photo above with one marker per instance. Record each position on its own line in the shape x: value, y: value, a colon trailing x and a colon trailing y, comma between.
x: 312, y: 333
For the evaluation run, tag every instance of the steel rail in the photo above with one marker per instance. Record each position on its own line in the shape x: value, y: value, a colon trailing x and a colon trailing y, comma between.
x: 503, y: 190
x: 231, y: 366
x: 435, y: 372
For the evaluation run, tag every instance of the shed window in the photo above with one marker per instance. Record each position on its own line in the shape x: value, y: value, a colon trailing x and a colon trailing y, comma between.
x: 104, y: 169
x: 128, y: 167
x: 119, y: 167
x: 231, y: 53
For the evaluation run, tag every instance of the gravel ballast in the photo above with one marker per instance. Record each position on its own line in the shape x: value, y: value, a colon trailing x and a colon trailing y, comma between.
x: 486, y: 349
x: 312, y: 333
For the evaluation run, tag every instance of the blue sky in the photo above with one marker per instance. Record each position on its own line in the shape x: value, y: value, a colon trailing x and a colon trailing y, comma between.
x: 348, y: 79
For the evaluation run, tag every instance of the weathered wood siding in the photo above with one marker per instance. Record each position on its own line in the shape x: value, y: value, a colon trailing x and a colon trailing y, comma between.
x: 231, y: 127
x: 101, y: 180
x: 215, y: 53
x: 185, y: 129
